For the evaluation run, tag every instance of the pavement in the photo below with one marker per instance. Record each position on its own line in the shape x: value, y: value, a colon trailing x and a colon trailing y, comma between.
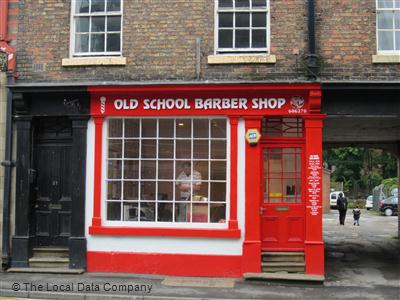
x: 361, y: 262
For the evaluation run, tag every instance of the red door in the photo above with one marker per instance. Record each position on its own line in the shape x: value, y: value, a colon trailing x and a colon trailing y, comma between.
x: 282, y: 209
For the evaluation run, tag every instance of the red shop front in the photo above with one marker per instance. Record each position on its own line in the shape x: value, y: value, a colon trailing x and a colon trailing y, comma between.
x: 205, y: 179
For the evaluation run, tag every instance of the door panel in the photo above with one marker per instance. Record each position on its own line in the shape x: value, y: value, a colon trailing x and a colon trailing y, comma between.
x: 282, y: 208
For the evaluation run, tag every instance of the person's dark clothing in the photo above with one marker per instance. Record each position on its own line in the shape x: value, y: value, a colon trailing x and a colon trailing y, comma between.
x: 356, y: 216
x: 342, y: 206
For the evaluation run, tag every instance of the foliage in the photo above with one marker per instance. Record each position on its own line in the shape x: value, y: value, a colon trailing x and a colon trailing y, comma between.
x: 360, y: 169
x: 390, y: 183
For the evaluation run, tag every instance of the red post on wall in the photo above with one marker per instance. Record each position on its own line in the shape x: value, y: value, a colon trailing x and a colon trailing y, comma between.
x: 252, y: 242
x: 314, y: 245
x: 233, y: 223
x: 98, y: 144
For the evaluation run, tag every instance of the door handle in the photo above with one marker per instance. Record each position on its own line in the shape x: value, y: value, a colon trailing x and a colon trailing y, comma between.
x: 262, y: 209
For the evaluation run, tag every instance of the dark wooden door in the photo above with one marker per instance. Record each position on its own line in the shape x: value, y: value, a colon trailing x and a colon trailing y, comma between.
x: 53, y: 188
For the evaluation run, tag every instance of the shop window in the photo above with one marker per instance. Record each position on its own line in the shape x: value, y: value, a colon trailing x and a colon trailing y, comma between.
x: 242, y: 26
x: 388, y: 26
x: 282, y: 175
x: 96, y: 27
x: 166, y: 170
x: 282, y: 127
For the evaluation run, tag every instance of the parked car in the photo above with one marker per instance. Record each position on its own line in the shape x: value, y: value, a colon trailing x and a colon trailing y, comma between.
x: 333, y: 198
x: 389, y: 206
x: 369, y: 203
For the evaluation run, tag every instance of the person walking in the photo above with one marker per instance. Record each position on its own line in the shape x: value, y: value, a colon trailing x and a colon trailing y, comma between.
x: 342, y: 206
x: 356, y: 216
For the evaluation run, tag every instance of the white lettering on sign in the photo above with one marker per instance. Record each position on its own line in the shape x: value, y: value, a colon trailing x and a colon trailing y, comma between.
x: 198, y: 103
x: 314, y: 183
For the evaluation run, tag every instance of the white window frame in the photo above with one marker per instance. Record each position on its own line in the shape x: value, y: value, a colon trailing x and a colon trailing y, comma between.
x: 239, y: 51
x: 386, y: 52
x: 173, y: 223
x: 72, y: 52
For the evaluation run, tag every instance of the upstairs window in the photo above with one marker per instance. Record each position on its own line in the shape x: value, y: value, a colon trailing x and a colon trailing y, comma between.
x: 242, y: 26
x: 96, y: 27
x: 388, y: 26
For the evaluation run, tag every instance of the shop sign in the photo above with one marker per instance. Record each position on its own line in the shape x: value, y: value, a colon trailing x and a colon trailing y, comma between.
x: 314, y: 184
x: 253, y: 136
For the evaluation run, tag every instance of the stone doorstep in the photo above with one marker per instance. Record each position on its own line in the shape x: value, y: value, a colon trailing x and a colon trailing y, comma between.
x: 46, y: 270
x: 284, y: 276
x: 206, y: 282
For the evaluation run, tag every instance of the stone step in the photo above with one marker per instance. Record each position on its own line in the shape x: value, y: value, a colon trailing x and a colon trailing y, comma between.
x: 283, y: 256
x: 50, y: 251
x: 46, y: 270
x: 290, y: 267
x: 277, y: 253
x: 48, y: 262
x: 284, y: 276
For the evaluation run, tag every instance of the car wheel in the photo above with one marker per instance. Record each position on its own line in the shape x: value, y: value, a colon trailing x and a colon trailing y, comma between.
x: 388, y: 212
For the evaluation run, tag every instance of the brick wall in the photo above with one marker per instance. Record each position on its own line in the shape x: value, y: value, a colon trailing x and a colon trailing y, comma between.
x: 159, y: 42
x: 346, y: 39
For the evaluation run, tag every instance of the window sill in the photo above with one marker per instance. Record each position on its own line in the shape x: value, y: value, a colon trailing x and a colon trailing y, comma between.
x: 177, y: 232
x: 93, y: 61
x: 386, y: 59
x: 242, y: 59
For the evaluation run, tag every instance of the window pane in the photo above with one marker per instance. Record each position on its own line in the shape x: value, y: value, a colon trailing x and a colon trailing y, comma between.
x: 98, y: 5
x: 398, y: 40
x: 114, y: 169
x: 166, y: 128
x: 165, y: 148
x: 200, y: 128
x: 82, y: 6
x: 182, y: 212
x: 275, y: 188
x: 114, y: 148
x: 97, y: 43
x: 397, y: 3
x: 166, y: 169
x: 218, y: 170
x: 218, y: 128
x: 218, y: 191
x: 132, y: 127
x: 131, y: 190
x: 225, y: 3
x: 114, y: 190
x: 397, y: 20
x: 200, y: 149
x: 183, y: 128
x: 113, y: 5
x: 98, y: 24
x: 242, y: 20
x: 147, y: 211
x: 113, y: 42
x: 183, y: 148
x: 82, y: 24
x: 385, y: 40
x: 289, y: 163
x: 200, y: 213
x: 148, y: 169
x: 131, y: 169
x: 259, y: 3
x: 165, y: 212
x: 165, y: 190
x: 115, y: 128
x: 131, y: 149
x: 148, y: 190
x: 225, y: 19
x: 225, y: 38
x: 242, y: 3
x: 259, y: 38
x: 200, y: 192
x: 202, y: 168
x: 149, y: 128
x: 218, y: 149
x: 385, y: 20
x: 82, y: 43
x: 113, y: 211
x: 130, y: 211
x: 259, y: 20
x: 217, y: 213
x: 242, y: 38
x: 385, y: 3
x: 114, y: 24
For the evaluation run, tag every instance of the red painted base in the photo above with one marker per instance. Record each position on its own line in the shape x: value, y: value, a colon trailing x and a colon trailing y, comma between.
x: 314, y: 254
x: 165, y: 264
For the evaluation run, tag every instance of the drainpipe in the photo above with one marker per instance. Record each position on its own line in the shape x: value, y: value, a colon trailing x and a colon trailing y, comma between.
x: 8, y: 164
x: 312, y: 67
